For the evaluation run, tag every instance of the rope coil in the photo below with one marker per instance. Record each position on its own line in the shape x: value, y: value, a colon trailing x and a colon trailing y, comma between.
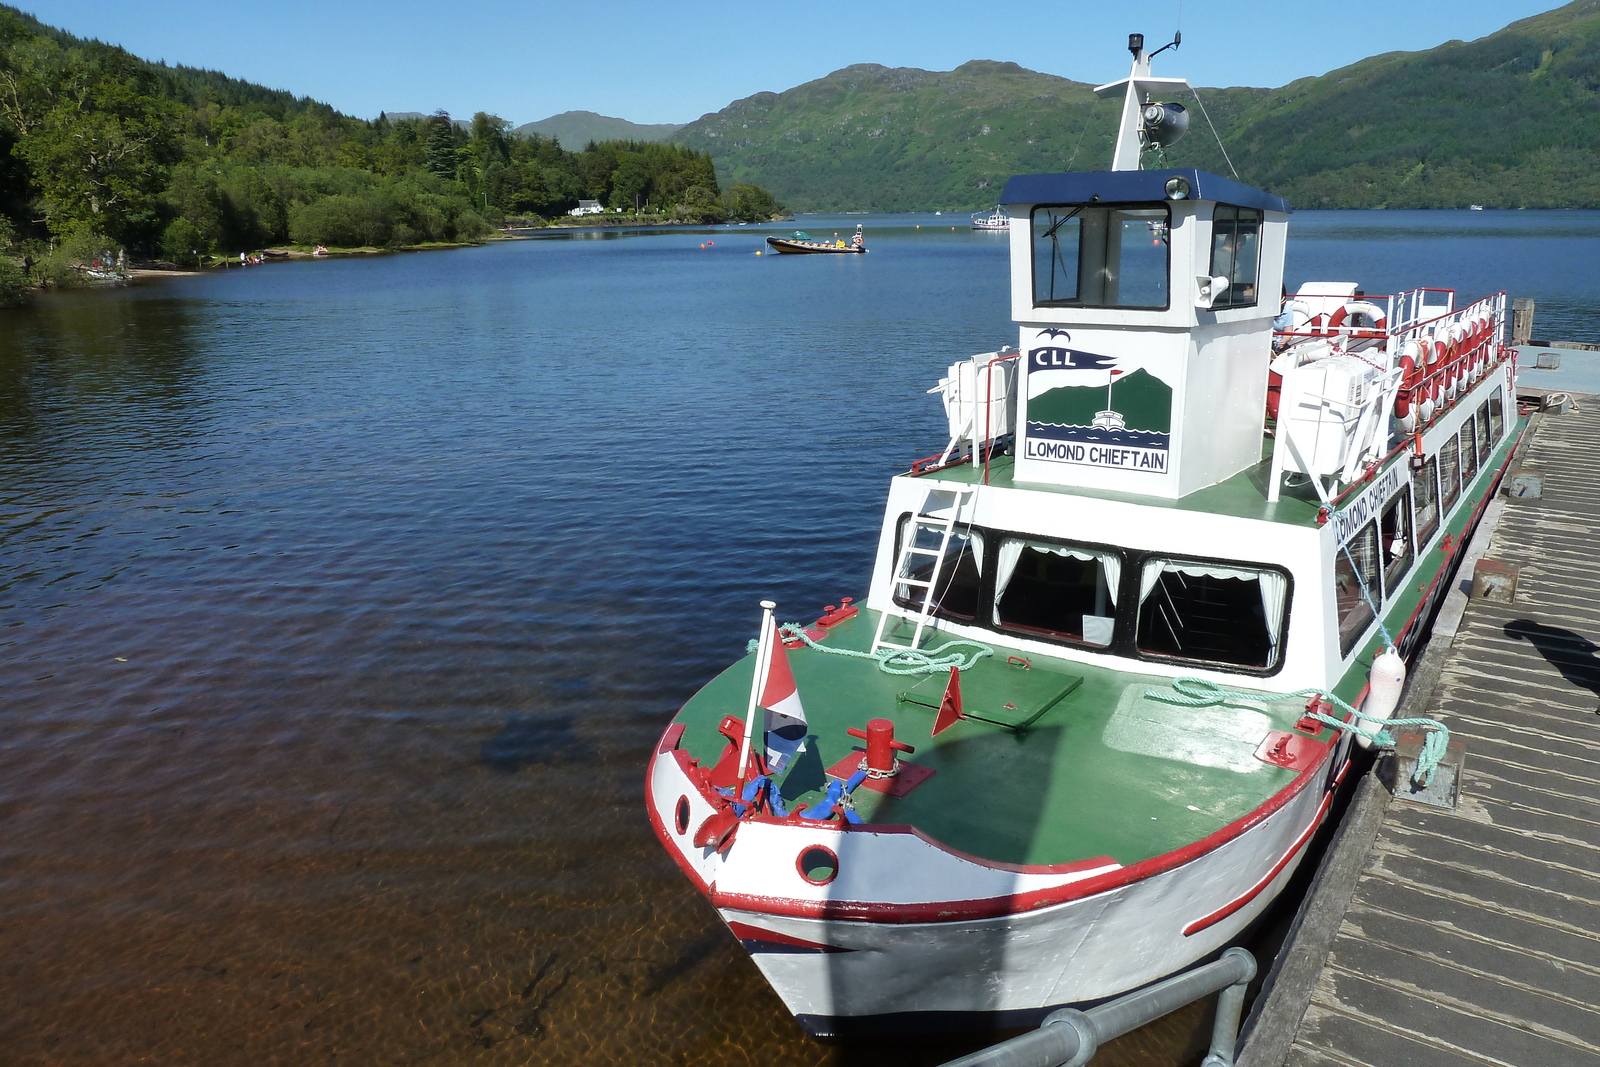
x: 1202, y: 693
x: 896, y: 660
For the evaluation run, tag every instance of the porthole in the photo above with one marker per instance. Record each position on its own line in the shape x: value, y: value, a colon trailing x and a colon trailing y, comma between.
x: 681, y: 816
x: 818, y: 865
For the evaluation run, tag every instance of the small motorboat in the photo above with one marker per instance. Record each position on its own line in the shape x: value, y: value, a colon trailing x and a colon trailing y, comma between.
x: 804, y: 243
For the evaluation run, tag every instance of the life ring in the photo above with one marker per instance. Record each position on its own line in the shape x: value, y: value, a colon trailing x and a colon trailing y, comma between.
x: 1358, y: 307
x: 1410, y: 377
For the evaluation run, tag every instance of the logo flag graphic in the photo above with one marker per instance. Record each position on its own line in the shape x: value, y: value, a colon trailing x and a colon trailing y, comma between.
x: 786, y: 719
x: 950, y: 706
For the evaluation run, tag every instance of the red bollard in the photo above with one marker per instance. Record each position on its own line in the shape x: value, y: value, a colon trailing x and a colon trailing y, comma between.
x: 881, y: 746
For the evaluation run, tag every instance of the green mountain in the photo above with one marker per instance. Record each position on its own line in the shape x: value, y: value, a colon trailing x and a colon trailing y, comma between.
x: 1508, y: 120
x: 574, y: 129
x: 893, y: 139
x: 1144, y: 400
x: 1505, y: 121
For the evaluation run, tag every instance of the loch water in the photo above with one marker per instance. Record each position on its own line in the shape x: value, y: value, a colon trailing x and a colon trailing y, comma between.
x: 341, y: 602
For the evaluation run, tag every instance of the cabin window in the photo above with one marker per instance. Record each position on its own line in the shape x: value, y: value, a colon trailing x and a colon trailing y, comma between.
x: 1216, y: 613
x: 955, y: 593
x: 1425, y: 500
x: 1394, y: 540
x: 1497, y: 422
x: 1355, y: 563
x: 1469, y: 453
x: 1059, y: 591
x: 1090, y: 255
x: 1485, y: 444
x: 1236, y: 254
x: 1449, y: 473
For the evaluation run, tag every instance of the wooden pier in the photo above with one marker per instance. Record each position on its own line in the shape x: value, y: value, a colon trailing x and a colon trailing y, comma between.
x: 1437, y: 937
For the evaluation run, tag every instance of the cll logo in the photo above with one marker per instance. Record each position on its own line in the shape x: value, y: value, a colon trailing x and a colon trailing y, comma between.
x: 1051, y: 357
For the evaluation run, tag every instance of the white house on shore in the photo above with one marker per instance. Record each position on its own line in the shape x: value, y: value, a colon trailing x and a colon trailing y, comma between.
x: 587, y: 207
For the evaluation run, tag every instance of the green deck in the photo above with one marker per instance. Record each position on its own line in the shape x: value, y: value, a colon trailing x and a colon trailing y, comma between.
x: 1103, y: 771
x: 1100, y: 770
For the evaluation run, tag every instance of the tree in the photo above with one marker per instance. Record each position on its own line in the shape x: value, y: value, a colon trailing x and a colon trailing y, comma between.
x: 96, y: 138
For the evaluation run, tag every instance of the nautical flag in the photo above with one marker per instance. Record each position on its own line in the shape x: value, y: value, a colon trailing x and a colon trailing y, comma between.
x: 950, y: 706
x: 786, y: 719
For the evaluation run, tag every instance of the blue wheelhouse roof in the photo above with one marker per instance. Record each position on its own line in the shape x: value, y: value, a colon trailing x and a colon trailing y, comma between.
x: 1133, y: 186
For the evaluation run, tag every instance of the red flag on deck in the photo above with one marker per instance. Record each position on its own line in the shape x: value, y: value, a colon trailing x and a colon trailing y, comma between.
x: 786, y: 718
x: 950, y: 706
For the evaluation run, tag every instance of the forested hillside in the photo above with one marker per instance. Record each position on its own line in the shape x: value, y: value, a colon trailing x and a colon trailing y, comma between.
x: 1510, y: 120
x: 101, y: 150
x: 894, y: 139
x: 577, y: 128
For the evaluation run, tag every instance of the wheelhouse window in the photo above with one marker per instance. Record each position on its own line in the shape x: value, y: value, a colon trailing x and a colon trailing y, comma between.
x: 1236, y: 254
x: 1211, y: 612
x: 1093, y: 255
x: 1469, y: 453
x: 1394, y: 540
x: 1066, y: 592
x: 955, y: 592
x: 1485, y: 443
x: 1449, y: 473
x: 1425, y: 499
x: 1497, y: 420
x: 1355, y: 563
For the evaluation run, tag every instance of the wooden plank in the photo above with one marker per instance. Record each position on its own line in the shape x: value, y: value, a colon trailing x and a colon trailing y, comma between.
x: 1481, y: 884
x: 1402, y: 1023
x: 1477, y: 918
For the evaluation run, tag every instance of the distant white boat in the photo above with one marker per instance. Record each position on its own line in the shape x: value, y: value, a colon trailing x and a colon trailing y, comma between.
x: 993, y: 220
x: 1474, y: 207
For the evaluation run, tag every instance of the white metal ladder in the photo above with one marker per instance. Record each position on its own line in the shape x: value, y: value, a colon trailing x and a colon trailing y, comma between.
x: 889, y: 622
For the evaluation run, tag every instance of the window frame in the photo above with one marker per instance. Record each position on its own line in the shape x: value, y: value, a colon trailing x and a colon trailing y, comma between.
x: 1075, y: 302
x: 992, y: 601
x: 1134, y: 566
x: 1226, y: 303
x: 1430, y: 470
x: 1468, y: 434
x: 940, y: 612
x: 1375, y: 579
x: 1394, y: 573
x: 1449, y: 493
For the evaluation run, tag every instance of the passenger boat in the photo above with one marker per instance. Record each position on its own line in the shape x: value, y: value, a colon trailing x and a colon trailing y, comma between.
x: 803, y: 243
x: 1106, y: 625
x: 992, y: 220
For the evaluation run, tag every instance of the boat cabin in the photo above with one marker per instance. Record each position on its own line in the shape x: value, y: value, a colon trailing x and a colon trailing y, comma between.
x: 1180, y: 471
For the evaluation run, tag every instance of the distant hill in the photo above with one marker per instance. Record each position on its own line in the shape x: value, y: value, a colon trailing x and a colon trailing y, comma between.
x: 574, y: 129
x: 879, y: 138
x: 1508, y: 120
x: 1504, y: 121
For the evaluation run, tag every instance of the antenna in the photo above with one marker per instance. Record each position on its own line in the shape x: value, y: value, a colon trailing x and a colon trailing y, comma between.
x: 1177, y: 39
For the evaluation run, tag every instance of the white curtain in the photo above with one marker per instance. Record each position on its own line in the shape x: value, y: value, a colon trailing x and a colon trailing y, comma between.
x: 1011, y: 551
x: 975, y: 543
x: 1274, y: 588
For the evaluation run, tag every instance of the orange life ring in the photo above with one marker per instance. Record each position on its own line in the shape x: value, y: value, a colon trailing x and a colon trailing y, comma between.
x: 1358, y: 307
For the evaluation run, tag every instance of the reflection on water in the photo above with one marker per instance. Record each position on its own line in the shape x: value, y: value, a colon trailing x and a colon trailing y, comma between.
x: 340, y: 603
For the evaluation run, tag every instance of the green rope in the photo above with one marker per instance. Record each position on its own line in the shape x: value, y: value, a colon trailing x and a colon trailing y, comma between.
x: 1201, y: 693
x: 895, y: 660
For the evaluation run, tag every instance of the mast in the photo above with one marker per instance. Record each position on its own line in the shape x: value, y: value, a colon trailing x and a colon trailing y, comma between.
x: 1138, y: 86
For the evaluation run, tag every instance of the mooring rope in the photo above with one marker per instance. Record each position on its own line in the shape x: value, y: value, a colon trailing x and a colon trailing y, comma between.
x: 1201, y: 693
x: 896, y: 660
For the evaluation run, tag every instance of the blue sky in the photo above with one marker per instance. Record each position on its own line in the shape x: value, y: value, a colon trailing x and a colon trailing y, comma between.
x: 674, y: 61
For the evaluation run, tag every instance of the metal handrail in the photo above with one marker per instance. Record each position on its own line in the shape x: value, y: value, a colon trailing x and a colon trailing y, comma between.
x: 1070, y: 1038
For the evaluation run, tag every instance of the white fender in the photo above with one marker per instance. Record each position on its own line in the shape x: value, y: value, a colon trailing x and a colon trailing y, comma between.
x: 1384, y: 685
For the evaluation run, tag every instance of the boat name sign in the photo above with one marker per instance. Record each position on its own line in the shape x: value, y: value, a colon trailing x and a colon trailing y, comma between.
x: 1362, y: 510
x: 1094, y: 409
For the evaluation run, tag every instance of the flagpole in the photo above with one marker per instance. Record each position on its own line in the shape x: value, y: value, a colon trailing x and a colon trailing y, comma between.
x: 757, y: 683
